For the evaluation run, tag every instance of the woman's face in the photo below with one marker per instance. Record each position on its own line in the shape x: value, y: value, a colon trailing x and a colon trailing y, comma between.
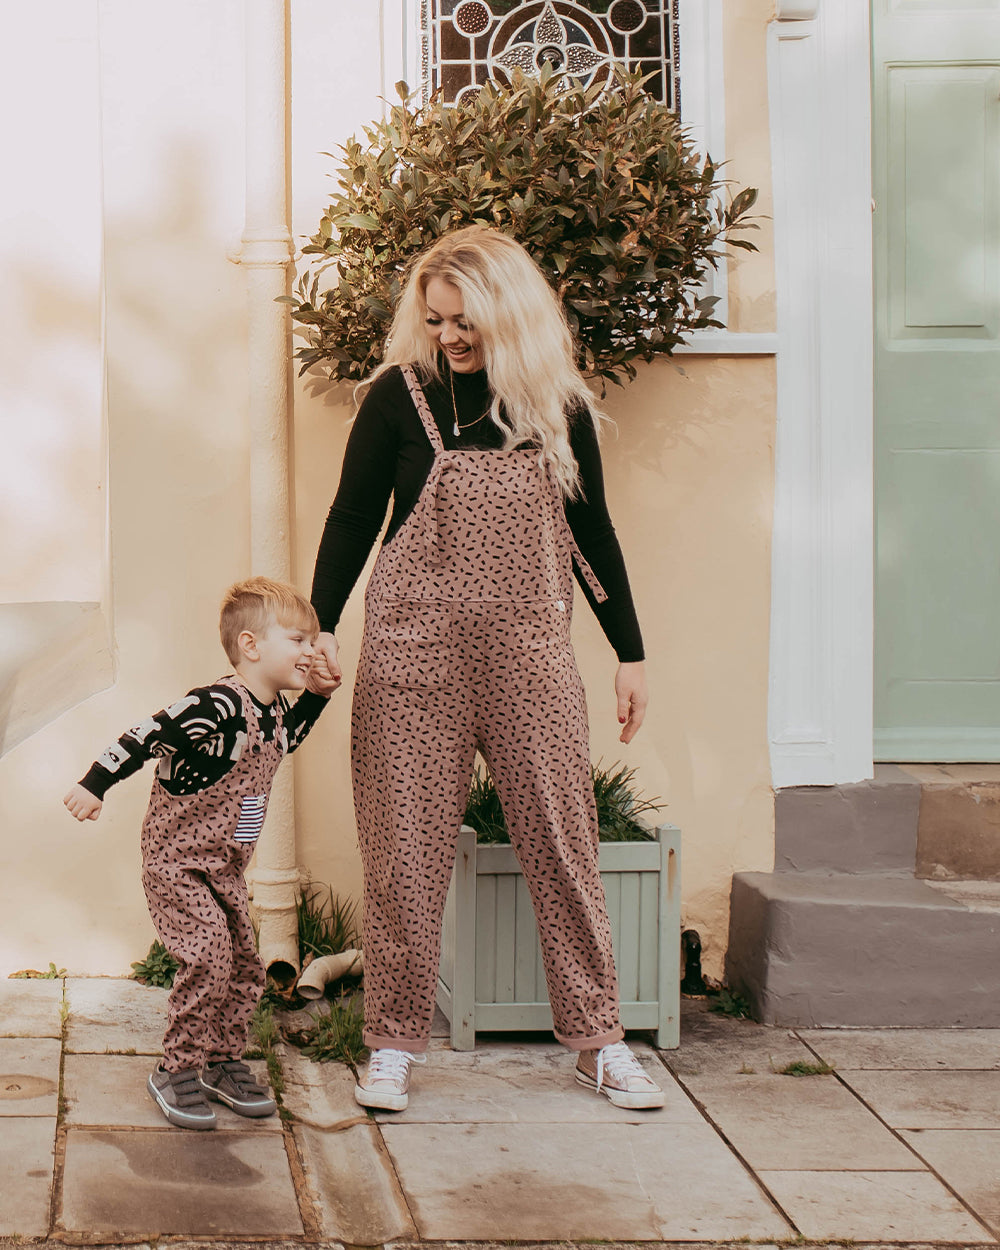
x: 448, y: 328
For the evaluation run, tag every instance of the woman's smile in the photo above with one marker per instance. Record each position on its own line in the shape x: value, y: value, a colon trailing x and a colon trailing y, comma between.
x: 448, y: 328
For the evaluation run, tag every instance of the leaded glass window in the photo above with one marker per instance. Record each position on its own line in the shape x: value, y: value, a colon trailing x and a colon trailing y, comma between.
x: 466, y: 43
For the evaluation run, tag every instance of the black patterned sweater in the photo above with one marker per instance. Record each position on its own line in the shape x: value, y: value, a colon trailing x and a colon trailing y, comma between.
x: 198, y: 739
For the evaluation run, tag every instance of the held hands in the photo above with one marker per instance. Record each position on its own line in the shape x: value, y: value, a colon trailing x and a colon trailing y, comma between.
x: 630, y: 687
x: 82, y: 804
x: 325, y: 675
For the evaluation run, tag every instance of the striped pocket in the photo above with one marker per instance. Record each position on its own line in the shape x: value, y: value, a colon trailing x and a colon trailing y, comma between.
x: 251, y: 819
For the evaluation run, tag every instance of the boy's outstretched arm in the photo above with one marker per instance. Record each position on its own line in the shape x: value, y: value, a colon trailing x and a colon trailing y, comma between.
x: 82, y: 804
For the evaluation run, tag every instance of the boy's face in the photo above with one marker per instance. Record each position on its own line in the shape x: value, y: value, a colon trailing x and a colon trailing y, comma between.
x: 284, y: 655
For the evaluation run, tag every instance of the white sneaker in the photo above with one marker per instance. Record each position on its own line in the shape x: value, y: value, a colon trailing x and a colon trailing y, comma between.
x: 616, y: 1073
x: 386, y: 1080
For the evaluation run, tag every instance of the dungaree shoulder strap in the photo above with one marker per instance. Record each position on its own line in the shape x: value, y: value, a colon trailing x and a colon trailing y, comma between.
x: 423, y: 407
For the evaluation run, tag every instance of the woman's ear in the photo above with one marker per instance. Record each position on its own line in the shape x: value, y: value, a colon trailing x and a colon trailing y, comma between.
x: 247, y: 644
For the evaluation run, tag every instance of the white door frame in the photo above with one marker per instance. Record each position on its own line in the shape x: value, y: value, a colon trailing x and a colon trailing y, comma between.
x: 820, y: 707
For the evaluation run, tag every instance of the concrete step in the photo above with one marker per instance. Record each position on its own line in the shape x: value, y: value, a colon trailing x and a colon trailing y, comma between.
x: 865, y: 949
x: 958, y: 833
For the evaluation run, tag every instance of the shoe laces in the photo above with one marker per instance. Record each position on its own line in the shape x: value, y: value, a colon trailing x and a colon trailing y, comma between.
x: 620, y: 1064
x: 387, y: 1064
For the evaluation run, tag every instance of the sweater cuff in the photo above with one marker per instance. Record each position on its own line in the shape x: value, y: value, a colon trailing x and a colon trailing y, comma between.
x: 97, y: 781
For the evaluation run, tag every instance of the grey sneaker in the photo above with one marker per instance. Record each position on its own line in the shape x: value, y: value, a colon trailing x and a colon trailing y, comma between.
x: 387, y: 1079
x: 231, y: 1082
x: 180, y: 1098
x: 616, y: 1073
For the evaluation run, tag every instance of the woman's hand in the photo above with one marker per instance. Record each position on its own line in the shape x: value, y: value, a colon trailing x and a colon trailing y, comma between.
x: 325, y: 675
x: 630, y: 687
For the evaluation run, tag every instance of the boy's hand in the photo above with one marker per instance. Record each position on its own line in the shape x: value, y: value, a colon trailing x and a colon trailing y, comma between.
x: 82, y: 804
x: 325, y: 674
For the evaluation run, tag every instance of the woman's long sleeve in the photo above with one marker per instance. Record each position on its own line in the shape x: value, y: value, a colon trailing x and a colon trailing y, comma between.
x: 595, y: 536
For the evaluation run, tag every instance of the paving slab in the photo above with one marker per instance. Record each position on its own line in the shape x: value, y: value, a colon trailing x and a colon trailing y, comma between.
x: 514, y: 1082
x: 120, y: 1184
x: 714, y: 1043
x: 319, y: 1094
x: 969, y: 1160
x: 931, y: 1099
x: 798, y: 1122
x: 31, y: 1008
x: 531, y: 1182
x: 605, y: 1245
x: 900, y: 1049
x: 877, y: 1206
x: 353, y: 1185
x: 109, y: 1091
x: 111, y: 1014
x: 26, y: 1161
x: 29, y: 1076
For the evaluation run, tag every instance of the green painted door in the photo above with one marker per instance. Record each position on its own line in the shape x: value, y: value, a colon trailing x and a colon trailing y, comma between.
x: 936, y: 173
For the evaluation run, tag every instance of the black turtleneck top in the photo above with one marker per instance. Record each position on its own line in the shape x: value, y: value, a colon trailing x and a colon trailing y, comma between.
x: 388, y: 454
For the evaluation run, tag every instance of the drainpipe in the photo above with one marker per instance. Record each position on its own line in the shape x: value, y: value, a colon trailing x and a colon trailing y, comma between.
x: 265, y: 255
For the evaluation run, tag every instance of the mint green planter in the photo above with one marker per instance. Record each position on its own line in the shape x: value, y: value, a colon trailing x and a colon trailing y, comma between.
x: 491, y: 977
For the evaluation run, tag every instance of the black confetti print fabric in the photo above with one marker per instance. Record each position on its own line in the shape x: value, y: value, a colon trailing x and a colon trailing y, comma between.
x: 467, y: 647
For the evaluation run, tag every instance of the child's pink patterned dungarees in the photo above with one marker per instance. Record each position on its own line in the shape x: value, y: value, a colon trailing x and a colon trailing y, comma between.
x: 195, y: 850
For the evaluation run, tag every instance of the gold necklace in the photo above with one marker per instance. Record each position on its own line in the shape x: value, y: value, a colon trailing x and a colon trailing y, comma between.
x: 456, y: 428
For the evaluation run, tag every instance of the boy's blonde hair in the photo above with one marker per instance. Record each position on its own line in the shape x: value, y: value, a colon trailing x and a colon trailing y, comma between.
x: 258, y: 603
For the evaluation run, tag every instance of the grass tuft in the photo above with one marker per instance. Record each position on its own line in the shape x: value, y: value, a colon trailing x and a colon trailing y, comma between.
x: 801, y: 1068
x: 729, y: 1002
x: 336, y: 1037
x: 327, y: 925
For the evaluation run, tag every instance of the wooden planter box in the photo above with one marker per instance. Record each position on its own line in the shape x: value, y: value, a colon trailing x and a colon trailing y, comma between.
x: 491, y: 977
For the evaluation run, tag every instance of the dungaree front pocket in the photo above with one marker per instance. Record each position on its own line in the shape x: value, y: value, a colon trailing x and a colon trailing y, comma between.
x: 409, y: 645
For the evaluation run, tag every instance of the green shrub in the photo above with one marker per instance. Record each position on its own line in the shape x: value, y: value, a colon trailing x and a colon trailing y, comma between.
x: 619, y: 806
x: 606, y: 191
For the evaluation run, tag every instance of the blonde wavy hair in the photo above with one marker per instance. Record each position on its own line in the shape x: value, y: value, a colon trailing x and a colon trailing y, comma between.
x: 526, y: 342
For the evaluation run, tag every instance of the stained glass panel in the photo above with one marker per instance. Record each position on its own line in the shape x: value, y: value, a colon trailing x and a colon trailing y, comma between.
x: 468, y: 42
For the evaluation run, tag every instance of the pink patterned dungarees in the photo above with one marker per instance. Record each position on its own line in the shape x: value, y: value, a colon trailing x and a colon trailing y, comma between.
x: 195, y: 850
x: 466, y: 646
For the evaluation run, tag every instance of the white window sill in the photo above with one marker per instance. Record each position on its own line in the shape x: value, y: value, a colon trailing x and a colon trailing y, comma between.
x: 728, y: 343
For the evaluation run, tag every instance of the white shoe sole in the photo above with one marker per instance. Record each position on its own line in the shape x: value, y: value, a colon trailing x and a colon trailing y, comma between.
x: 251, y: 1110
x: 648, y: 1101
x: 379, y: 1100
x: 177, y: 1116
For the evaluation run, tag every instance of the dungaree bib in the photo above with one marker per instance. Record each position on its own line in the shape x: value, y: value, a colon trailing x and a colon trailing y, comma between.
x: 195, y: 850
x: 467, y: 646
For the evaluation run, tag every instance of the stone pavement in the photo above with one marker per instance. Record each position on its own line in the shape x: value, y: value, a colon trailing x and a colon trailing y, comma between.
x: 900, y: 1144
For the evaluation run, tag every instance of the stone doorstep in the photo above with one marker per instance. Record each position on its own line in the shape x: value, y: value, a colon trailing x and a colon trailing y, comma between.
x: 958, y: 833
x: 814, y: 949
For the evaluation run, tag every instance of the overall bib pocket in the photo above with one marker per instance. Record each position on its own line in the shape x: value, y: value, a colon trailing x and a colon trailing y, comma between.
x: 253, y: 808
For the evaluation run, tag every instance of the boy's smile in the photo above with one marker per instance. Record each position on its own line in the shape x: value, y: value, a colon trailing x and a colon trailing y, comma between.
x: 278, y: 659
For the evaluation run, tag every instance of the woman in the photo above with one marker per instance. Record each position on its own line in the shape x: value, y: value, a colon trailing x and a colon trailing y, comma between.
x: 481, y: 428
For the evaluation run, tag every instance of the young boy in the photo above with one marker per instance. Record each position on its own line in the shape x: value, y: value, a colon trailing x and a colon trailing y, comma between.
x: 217, y: 751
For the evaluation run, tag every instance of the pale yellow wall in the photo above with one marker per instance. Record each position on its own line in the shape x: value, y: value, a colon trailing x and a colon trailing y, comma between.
x: 170, y: 104
x: 689, y: 477
x: 690, y: 488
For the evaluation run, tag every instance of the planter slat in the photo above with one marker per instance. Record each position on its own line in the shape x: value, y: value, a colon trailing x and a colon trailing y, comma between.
x: 492, y: 977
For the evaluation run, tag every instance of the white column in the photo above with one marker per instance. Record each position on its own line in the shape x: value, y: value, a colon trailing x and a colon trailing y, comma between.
x: 820, y: 714
x: 265, y: 255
